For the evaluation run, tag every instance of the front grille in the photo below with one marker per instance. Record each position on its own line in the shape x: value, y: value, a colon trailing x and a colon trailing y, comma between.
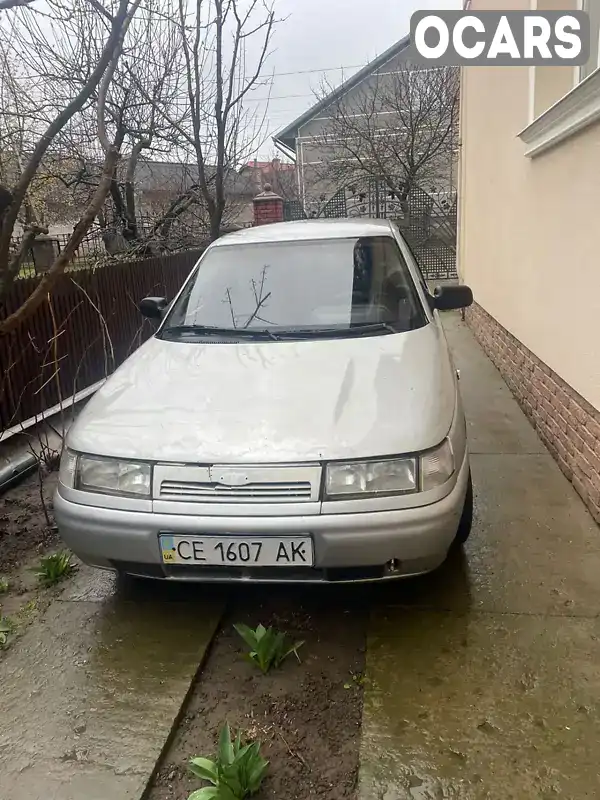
x: 248, y: 493
x: 268, y: 484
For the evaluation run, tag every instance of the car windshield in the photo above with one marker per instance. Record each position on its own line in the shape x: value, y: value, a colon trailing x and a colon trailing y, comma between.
x: 305, y: 288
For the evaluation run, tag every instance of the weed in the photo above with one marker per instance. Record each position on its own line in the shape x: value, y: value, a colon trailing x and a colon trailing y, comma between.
x: 4, y: 586
x: 6, y: 628
x: 358, y: 679
x: 236, y: 772
x: 54, y: 568
x: 268, y: 647
x: 27, y: 611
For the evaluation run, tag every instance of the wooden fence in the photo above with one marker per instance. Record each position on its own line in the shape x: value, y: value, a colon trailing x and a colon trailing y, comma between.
x: 87, y: 327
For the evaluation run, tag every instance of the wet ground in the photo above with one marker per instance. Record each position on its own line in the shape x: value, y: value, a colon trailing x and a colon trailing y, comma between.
x: 482, y: 680
x: 92, y: 689
x: 24, y: 528
x: 307, y: 713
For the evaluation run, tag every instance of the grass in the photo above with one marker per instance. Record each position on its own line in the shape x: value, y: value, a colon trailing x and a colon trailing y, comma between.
x: 4, y: 586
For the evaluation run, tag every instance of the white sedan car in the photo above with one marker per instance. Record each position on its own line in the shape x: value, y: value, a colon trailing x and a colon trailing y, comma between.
x: 295, y: 417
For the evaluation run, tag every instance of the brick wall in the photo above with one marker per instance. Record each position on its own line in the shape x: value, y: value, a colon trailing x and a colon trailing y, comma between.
x: 268, y: 211
x: 567, y: 424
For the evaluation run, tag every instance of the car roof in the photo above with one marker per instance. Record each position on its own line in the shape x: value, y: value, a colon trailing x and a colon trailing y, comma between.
x: 307, y: 229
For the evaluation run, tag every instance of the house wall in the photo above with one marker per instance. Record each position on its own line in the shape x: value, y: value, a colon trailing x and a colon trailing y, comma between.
x: 528, y: 247
x: 313, y: 154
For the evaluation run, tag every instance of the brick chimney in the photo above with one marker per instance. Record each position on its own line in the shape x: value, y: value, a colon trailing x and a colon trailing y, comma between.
x: 268, y: 207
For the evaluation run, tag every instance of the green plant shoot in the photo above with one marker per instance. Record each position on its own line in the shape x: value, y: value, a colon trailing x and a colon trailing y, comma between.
x: 268, y: 647
x: 54, y: 568
x: 236, y: 772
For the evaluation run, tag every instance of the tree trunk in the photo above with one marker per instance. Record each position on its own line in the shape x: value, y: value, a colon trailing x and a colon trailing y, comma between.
x: 215, y: 223
x: 131, y: 231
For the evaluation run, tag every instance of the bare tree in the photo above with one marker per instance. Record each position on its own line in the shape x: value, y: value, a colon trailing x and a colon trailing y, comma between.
x: 398, y: 128
x: 216, y: 131
x: 57, y: 62
x: 286, y: 183
x: 198, y: 120
x: 142, y: 95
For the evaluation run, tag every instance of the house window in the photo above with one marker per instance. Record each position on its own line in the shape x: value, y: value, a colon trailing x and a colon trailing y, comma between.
x: 563, y: 101
x: 593, y: 9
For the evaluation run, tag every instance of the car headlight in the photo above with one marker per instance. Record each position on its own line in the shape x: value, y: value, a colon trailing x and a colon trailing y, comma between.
x: 68, y: 465
x: 390, y: 476
x: 105, y: 475
x: 437, y: 466
x: 371, y: 478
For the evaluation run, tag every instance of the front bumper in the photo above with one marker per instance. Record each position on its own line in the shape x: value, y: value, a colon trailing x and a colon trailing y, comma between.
x: 348, y: 547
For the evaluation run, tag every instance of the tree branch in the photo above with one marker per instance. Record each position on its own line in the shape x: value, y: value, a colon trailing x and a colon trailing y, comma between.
x: 6, y: 4
x: 9, y: 271
x: 44, y: 287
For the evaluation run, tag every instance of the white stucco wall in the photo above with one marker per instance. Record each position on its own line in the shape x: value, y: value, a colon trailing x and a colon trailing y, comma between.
x: 530, y: 228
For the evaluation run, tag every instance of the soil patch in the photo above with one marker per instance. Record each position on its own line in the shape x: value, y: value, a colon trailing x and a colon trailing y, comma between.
x: 307, y: 715
x: 24, y: 530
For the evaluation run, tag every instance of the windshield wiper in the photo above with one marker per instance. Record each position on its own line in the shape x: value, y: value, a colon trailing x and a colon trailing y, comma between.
x: 374, y: 327
x: 211, y: 330
x: 361, y: 329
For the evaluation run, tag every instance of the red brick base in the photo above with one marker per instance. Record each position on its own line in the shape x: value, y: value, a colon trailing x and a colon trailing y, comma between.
x: 567, y: 424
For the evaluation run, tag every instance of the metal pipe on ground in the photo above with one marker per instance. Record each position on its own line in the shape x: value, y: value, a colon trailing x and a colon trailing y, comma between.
x: 15, y: 469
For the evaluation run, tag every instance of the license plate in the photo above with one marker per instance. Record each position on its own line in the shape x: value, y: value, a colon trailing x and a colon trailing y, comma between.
x: 237, y: 551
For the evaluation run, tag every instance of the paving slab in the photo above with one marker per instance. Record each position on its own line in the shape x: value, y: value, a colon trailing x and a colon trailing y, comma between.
x: 483, y: 679
x: 492, y: 424
x: 481, y: 706
x: 534, y: 547
x: 91, y: 691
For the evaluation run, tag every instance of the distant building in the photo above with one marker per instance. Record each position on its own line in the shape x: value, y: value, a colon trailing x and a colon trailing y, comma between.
x: 279, y: 174
x: 312, y: 139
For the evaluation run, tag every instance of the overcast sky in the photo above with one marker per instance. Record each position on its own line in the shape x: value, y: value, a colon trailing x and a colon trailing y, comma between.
x: 322, y: 36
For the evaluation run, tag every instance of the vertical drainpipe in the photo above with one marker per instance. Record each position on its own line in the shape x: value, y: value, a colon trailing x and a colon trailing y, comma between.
x: 460, y: 237
x: 298, y: 183
x: 301, y: 174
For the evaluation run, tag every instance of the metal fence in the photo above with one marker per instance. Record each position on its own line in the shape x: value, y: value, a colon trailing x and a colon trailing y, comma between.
x: 87, y: 327
x: 427, y: 220
x: 102, y: 245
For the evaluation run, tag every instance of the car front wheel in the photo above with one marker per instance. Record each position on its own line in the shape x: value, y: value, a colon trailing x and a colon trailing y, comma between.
x: 466, y: 519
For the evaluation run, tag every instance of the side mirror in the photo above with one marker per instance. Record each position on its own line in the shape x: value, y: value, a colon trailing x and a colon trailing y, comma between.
x: 450, y: 298
x: 153, y: 307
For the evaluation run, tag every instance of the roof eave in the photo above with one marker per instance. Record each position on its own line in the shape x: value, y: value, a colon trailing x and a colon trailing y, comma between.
x: 287, y: 136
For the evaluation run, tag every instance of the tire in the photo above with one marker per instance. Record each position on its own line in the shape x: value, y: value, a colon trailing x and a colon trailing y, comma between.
x: 466, y: 519
x: 131, y: 586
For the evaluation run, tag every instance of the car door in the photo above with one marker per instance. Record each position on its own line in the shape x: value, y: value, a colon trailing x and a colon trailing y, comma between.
x: 417, y: 273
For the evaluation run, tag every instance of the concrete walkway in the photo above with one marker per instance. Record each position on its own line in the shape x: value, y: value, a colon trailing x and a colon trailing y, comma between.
x: 91, y: 693
x: 483, y: 680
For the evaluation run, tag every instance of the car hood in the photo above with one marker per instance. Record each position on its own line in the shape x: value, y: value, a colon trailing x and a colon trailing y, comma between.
x: 274, y: 401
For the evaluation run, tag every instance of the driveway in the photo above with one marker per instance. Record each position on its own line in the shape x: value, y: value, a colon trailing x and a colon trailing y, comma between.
x: 483, y: 681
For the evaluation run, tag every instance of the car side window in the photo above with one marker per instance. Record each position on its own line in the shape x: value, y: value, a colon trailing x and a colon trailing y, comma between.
x: 383, y: 288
